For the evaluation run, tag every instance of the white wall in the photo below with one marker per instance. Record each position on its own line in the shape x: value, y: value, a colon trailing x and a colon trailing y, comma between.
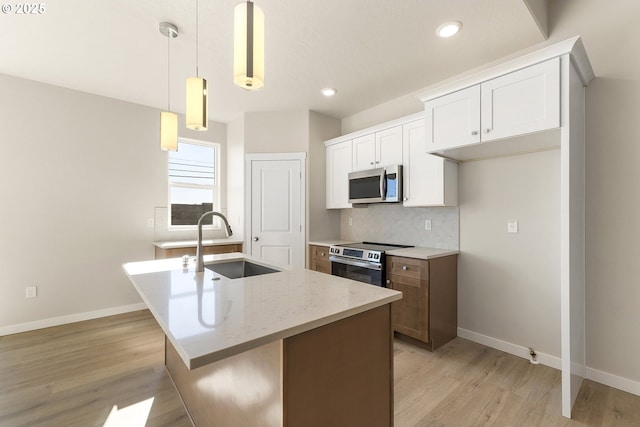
x: 79, y: 177
x: 276, y: 132
x: 323, y: 223
x: 235, y: 175
x: 509, y: 284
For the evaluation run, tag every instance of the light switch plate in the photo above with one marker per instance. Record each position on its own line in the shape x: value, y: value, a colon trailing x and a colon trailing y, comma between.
x: 512, y: 226
x: 427, y: 224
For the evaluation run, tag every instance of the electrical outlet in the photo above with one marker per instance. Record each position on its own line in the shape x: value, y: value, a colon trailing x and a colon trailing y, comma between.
x: 427, y: 224
x: 350, y: 221
x: 512, y: 226
x: 150, y: 223
x: 31, y: 291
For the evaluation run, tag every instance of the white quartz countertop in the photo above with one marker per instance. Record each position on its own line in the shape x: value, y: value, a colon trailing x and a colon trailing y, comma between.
x: 330, y: 242
x: 422, y: 253
x: 194, y: 243
x: 207, y: 320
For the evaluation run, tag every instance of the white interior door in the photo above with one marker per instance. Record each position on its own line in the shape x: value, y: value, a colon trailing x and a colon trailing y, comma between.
x: 276, y: 232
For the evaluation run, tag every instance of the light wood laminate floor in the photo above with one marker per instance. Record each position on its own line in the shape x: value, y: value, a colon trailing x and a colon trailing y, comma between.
x: 73, y: 375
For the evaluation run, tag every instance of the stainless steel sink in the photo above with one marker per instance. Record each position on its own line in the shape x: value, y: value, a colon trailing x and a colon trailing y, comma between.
x: 238, y: 269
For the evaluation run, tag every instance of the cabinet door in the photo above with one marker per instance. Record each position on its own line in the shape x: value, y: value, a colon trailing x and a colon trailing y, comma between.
x: 389, y: 147
x: 409, y: 315
x: 453, y: 120
x: 364, y: 152
x: 338, y: 168
x: 428, y: 180
x: 522, y: 102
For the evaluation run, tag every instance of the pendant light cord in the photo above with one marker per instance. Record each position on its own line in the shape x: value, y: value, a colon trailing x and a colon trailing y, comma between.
x: 169, y: 72
x: 197, y: 74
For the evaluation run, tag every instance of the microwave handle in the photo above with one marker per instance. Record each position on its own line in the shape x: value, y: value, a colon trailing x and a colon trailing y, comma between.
x: 383, y: 184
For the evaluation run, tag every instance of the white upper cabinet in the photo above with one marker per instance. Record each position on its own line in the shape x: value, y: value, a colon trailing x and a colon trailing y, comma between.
x: 389, y: 147
x: 378, y: 149
x: 337, y: 180
x: 517, y: 103
x: 428, y: 180
x: 364, y: 152
x: 453, y: 120
x: 522, y: 102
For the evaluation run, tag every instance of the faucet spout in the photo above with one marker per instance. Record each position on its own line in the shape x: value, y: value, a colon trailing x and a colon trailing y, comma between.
x: 199, y: 255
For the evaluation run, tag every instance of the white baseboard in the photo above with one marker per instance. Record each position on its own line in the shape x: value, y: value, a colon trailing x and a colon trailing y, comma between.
x: 507, y: 347
x: 621, y: 383
x: 72, y: 318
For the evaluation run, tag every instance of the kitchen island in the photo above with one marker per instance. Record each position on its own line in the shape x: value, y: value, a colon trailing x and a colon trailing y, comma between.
x: 291, y: 348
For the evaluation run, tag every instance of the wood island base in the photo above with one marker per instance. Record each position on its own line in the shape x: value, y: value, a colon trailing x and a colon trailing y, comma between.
x: 340, y: 374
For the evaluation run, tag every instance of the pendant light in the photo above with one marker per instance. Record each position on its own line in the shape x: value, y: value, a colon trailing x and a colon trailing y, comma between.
x: 197, y: 115
x: 248, y: 50
x: 168, y: 120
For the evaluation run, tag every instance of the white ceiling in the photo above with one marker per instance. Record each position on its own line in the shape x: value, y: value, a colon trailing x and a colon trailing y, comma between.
x: 370, y: 50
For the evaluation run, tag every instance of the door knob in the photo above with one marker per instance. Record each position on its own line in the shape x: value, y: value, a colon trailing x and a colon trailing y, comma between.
x: 255, y: 239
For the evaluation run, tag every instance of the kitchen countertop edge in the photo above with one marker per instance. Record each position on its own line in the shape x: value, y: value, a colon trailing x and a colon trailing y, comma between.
x: 174, y: 244
x: 422, y: 253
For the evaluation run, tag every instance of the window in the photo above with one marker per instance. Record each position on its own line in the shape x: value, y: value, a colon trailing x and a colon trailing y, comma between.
x: 193, y: 183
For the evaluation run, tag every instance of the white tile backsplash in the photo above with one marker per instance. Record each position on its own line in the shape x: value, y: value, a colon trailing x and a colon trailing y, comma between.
x: 392, y: 223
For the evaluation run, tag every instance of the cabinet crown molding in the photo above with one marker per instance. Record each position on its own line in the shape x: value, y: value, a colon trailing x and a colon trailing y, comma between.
x: 376, y: 128
x: 519, y: 60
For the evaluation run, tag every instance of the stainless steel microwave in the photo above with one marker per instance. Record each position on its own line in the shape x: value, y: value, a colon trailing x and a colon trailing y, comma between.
x: 381, y: 185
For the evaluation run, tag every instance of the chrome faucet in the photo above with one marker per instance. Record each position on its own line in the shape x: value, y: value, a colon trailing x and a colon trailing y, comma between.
x: 199, y: 260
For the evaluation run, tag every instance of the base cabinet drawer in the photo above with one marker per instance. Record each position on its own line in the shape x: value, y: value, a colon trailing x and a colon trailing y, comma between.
x: 319, y: 259
x: 428, y: 310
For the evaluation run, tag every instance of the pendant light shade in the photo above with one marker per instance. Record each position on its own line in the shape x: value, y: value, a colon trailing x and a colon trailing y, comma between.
x: 168, y: 131
x: 248, y: 56
x: 168, y: 120
x: 197, y: 112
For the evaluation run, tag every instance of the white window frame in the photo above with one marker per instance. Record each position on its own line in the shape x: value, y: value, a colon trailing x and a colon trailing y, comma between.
x: 217, y: 224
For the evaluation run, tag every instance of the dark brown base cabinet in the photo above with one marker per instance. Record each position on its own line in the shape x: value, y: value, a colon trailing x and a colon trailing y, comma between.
x: 319, y: 259
x: 428, y: 310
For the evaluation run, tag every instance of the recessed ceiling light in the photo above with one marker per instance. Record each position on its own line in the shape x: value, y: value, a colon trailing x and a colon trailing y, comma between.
x: 448, y: 29
x: 328, y: 91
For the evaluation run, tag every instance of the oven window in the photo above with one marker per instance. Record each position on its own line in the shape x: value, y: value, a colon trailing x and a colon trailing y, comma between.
x: 361, y: 274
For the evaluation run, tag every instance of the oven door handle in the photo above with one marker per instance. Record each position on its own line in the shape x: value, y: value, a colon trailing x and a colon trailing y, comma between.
x: 355, y: 263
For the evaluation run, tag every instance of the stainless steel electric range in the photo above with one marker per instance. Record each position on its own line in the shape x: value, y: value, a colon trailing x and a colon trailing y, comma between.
x: 365, y: 262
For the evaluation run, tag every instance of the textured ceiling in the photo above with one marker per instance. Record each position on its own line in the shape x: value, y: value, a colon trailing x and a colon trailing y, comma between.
x: 370, y: 50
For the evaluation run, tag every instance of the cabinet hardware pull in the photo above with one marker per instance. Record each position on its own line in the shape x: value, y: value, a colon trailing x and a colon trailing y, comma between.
x: 404, y: 267
x: 487, y: 130
x: 475, y: 132
x: 370, y: 163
